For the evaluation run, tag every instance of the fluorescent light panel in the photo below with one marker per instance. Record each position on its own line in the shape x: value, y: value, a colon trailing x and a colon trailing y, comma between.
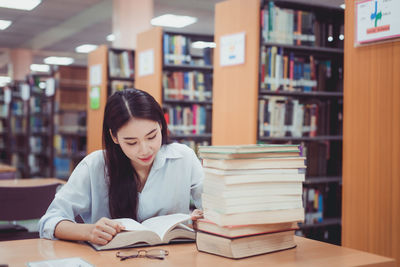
x: 4, y: 24
x: 174, y: 21
x: 201, y: 44
x: 4, y: 80
x: 40, y: 67
x: 58, y: 60
x: 20, y: 4
x: 85, y: 48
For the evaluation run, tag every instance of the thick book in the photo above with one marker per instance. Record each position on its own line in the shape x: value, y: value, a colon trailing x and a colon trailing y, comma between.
x: 252, y: 189
x: 257, y: 217
x: 245, y: 208
x: 242, y: 247
x: 234, y: 231
x: 258, y: 163
x: 228, y: 155
x: 249, y: 148
x: 154, y: 231
x: 255, y: 172
x: 245, y: 177
x: 249, y: 200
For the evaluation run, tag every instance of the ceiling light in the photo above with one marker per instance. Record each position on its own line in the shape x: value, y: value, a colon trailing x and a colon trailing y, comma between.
x: 4, y: 24
x: 175, y: 21
x: 201, y: 44
x: 20, y: 4
x: 343, y: 6
x: 85, y: 48
x: 40, y: 67
x: 58, y: 60
x: 341, y: 37
x: 110, y: 37
x: 4, y: 80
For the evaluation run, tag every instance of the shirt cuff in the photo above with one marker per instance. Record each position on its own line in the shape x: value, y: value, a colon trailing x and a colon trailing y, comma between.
x: 50, y: 227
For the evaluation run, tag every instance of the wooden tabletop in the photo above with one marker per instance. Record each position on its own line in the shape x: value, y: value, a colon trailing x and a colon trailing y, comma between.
x: 30, y: 182
x: 7, y: 168
x: 308, y: 253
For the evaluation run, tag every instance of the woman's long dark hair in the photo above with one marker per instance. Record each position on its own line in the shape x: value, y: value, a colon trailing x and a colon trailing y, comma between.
x: 123, y: 179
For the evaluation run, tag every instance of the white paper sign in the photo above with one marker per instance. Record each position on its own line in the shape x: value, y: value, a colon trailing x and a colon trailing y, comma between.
x: 377, y: 20
x: 7, y: 95
x: 146, y: 62
x: 95, y: 75
x: 50, y: 87
x: 25, y: 94
x: 232, y: 49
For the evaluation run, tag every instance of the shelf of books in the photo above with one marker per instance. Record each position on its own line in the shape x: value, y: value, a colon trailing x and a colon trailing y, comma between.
x: 69, y: 119
x: 109, y: 70
x: 120, y: 69
x: 301, y: 101
x: 19, y: 127
x: 287, y: 90
x: 5, y: 99
x: 184, y: 69
x: 40, y: 129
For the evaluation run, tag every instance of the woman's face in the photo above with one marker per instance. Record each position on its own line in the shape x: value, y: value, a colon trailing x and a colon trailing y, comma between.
x: 140, y: 140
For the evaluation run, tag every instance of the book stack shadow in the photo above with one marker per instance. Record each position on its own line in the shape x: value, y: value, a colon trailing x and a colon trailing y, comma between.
x: 252, y: 199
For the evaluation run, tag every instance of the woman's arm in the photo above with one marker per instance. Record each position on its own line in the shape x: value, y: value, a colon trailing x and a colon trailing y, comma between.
x: 84, y: 195
x: 197, y: 177
x: 99, y: 233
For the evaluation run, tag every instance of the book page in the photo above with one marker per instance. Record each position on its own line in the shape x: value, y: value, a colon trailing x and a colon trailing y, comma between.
x: 132, y: 225
x: 162, y: 224
x: 67, y: 262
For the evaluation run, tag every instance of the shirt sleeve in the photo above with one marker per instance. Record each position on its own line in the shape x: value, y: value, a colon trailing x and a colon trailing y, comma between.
x: 72, y: 199
x: 196, y: 188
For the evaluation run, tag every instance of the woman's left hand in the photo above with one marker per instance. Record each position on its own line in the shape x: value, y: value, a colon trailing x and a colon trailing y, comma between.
x: 197, y: 214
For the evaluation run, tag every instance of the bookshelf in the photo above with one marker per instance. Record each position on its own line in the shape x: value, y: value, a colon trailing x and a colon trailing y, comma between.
x: 19, y: 127
x: 297, y: 96
x: 5, y: 98
x: 109, y: 70
x: 40, y: 128
x: 301, y: 101
x: 69, y: 119
x: 181, y: 82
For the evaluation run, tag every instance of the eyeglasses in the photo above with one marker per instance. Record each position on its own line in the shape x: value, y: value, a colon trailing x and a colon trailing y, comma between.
x: 152, y: 254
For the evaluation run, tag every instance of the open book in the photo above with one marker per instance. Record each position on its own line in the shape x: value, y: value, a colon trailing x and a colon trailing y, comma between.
x: 154, y: 231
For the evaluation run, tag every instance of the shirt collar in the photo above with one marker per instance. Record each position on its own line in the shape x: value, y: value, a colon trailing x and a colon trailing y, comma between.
x: 165, y: 152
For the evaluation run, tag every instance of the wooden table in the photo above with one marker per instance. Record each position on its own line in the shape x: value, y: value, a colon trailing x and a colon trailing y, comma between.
x: 30, y: 182
x: 308, y: 253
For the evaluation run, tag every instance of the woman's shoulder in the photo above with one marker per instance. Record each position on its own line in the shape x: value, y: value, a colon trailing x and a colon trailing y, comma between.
x: 178, y: 149
x: 94, y: 158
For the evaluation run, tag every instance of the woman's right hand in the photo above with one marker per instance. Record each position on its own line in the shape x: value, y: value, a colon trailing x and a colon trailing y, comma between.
x: 104, y: 230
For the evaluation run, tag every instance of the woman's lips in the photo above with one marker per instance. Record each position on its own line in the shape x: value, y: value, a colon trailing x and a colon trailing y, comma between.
x: 146, y: 159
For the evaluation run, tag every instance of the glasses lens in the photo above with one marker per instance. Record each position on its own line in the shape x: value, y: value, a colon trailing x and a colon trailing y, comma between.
x: 157, y: 253
x: 127, y: 254
x: 152, y: 253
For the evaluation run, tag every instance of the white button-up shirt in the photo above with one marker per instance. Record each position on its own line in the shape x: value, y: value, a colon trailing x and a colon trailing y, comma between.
x: 175, y: 177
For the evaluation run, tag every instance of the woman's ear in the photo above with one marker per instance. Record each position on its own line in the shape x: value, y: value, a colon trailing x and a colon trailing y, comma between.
x: 113, y: 137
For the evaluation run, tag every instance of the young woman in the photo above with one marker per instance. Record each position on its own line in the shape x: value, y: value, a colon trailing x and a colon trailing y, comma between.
x: 138, y: 175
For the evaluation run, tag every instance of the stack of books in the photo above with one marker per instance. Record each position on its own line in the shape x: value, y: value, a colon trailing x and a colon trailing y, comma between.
x: 252, y: 199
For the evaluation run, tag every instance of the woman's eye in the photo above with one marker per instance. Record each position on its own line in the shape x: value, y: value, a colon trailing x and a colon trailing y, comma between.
x: 154, y: 136
x: 131, y: 144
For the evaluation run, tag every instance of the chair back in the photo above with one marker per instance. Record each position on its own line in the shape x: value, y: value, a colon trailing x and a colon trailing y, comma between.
x: 26, y: 202
x: 7, y: 175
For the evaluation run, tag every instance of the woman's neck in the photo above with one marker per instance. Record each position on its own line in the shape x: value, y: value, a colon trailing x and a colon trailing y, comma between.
x: 143, y: 174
